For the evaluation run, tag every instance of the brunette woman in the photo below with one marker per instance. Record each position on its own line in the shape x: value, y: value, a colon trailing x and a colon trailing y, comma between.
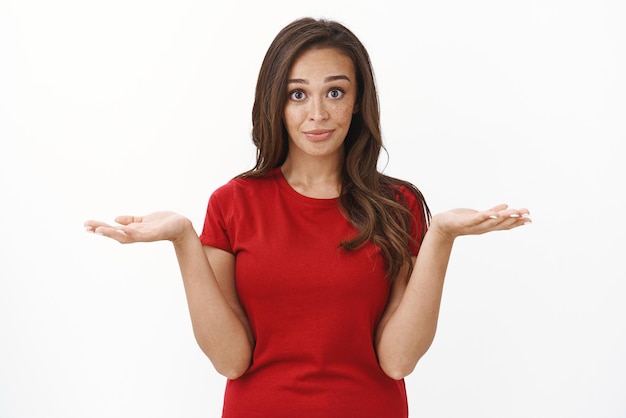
x: 316, y: 282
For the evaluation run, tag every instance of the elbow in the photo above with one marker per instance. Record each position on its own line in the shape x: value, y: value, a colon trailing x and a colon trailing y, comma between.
x: 399, y: 364
x: 232, y: 368
x: 398, y: 371
x: 231, y: 373
x: 231, y: 364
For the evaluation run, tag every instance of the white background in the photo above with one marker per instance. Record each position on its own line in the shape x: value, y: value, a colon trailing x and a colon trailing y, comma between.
x: 126, y: 107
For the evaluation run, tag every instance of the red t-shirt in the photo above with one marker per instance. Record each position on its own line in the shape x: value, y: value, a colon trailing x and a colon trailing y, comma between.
x: 313, y: 307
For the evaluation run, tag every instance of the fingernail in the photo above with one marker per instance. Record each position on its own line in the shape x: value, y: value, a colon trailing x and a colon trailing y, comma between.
x: 493, y: 216
x: 88, y: 229
x: 514, y: 215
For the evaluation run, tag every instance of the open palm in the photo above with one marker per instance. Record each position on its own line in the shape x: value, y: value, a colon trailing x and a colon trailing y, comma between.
x: 157, y: 226
x: 457, y: 222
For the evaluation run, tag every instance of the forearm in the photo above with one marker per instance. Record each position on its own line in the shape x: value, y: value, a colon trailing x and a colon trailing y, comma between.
x: 219, y: 332
x: 410, y: 329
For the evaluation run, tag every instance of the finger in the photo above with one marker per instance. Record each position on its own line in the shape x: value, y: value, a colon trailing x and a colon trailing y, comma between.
x: 91, y: 225
x: 510, y: 213
x: 494, y: 212
x: 499, y: 207
x: 511, y: 222
x: 522, y: 215
x: 127, y: 219
x: 525, y: 219
x: 117, y: 234
x: 504, y: 210
x: 516, y: 224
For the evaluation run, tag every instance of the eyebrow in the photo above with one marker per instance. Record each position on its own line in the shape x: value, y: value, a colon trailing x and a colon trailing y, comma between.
x: 326, y: 80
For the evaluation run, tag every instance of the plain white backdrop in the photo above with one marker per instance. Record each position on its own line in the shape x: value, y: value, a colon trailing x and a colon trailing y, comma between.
x: 126, y: 107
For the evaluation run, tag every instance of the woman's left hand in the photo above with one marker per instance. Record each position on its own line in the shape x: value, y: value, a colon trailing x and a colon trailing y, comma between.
x: 457, y: 222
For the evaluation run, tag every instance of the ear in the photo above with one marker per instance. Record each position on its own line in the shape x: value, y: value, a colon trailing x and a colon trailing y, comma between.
x: 356, y: 109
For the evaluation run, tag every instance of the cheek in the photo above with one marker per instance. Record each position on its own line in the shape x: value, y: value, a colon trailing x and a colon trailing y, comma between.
x: 344, y: 113
x: 291, y: 117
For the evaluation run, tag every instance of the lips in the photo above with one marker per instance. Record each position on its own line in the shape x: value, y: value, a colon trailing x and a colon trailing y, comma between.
x: 318, y: 134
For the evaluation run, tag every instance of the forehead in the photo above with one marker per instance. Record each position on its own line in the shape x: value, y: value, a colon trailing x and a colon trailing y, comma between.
x: 322, y: 62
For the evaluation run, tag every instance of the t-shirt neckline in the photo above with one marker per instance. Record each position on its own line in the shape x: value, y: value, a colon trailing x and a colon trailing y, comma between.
x: 290, y: 191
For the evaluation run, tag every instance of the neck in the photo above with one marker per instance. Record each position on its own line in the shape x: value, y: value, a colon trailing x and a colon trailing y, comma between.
x: 316, y: 179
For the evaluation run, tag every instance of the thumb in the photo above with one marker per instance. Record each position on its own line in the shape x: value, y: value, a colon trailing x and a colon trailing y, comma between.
x: 500, y: 207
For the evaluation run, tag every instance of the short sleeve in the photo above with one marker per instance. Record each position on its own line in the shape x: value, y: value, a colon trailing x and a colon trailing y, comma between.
x: 215, y: 229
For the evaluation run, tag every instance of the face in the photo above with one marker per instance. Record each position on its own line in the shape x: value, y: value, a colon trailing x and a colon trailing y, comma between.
x: 321, y: 101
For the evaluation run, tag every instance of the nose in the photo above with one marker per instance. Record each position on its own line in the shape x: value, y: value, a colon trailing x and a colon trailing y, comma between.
x: 318, y: 109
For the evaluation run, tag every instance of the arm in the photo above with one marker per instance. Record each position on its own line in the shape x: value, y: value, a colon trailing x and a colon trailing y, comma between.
x: 408, y: 325
x: 219, y: 324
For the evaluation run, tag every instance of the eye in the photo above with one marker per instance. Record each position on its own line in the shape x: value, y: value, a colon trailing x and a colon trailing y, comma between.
x: 297, y: 95
x: 336, y: 93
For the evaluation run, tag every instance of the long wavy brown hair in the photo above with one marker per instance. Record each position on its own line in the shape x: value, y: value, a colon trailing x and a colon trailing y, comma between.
x: 370, y: 200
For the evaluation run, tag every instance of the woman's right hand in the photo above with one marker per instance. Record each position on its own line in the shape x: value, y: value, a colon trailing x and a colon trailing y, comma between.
x: 158, y: 226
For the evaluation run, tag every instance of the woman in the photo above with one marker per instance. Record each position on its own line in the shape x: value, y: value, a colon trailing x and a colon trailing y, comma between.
x: 316, y: 283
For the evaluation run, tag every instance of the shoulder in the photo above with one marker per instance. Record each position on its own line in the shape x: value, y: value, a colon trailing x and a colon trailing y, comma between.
x: 246, y: 187
x: 403, y: 192
x: 409, y: 196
